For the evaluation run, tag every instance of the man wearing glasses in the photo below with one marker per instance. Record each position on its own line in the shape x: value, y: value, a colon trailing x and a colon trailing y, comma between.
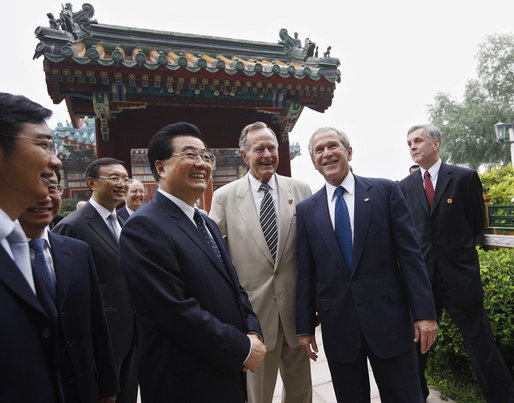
x: 68, y: 289
x: 197, y: 331
x: 27, y: 162
x: 98, y: 225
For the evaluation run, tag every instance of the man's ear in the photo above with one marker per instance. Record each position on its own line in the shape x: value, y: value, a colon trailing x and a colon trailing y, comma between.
x: 91, y: 183
x: 159, y: 167
x: 243, y: 156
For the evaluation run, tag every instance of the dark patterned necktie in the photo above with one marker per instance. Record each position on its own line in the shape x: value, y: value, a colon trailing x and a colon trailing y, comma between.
x: 40, y: 267
x: 429, y: 188
x: 210, y: 240
x: 343, y: 228
x: 268, y: 220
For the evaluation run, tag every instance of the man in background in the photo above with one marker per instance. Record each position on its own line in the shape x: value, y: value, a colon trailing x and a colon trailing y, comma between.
x: 98, y: 225
x: 447, y: 208
x: 264, y: 254
x: 68, y: 289
x: 198, y: 333
x: 134, y: 200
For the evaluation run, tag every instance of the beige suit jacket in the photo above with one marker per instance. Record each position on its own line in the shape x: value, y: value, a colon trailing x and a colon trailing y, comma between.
x: 271, y: 286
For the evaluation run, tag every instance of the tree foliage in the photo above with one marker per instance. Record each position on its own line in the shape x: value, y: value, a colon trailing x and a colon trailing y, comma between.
x: 499, y: 183
x: 468, y: 133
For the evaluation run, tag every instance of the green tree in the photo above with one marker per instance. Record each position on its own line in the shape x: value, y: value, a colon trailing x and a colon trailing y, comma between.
x: 467, y: 126
x: 499, y: 183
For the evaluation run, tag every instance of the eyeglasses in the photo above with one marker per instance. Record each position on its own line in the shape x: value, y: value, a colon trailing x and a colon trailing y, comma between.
x: 46, y: 144
x: 56, y: 189
x: 117, y: 180
x: 194, y: 155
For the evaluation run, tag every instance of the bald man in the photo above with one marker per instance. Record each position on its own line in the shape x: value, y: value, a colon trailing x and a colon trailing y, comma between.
x: 134, y: 199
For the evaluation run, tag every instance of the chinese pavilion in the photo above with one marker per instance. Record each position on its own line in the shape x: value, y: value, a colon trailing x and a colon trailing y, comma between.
x: 134, y: 81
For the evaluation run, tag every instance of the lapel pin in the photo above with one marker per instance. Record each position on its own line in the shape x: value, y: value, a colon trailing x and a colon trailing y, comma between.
x: 290, y: 201
x: 366, y: 199
x: 449, y: 201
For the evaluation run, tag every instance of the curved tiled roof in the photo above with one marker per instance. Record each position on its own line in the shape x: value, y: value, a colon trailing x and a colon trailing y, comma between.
x: 85, y: 42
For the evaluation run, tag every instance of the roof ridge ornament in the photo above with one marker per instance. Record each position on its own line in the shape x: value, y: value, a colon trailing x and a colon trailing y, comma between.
x: 76, y: 23
x: 293, y: 46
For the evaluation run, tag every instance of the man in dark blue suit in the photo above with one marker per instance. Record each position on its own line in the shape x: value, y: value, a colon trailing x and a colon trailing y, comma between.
x: 447, y: 208
x: 98, y: 225
x: 81, y: 347
x: 197, y: 331
x: 360, y: 268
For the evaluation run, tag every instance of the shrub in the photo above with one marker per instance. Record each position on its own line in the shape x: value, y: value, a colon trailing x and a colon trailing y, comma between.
x: 448, y: 353
x: 499, y: 183
x: 67, y: 206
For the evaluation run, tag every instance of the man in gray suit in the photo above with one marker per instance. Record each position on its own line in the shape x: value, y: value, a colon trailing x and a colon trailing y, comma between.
x: 257, y: 217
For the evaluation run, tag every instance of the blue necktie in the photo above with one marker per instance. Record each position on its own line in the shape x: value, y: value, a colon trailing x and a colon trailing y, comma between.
x: 212, y: 243
x: 343, y: 228
x: 40, y: 267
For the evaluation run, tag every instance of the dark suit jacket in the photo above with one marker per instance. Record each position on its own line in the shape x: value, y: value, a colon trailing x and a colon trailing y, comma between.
x: 449, y: 232
x: 123, y: 213
x: 389, y: 274
x: 192, y: 313
x: 87, y: 225
x: 47, y: 351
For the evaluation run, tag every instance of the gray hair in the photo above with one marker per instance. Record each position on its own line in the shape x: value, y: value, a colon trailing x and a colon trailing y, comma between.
x: 343, y: 138
x: 433, y: 132
x: 243, y: 138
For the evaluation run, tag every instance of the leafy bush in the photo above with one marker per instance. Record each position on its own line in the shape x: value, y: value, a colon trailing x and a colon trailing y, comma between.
x: 67, y: 206
x: 499, y: 183
x: 448, y: 354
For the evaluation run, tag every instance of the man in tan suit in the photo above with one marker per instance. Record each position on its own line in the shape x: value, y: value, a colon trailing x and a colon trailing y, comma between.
x: 257, y: 217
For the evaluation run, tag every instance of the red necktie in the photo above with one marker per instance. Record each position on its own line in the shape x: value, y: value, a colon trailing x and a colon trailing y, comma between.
x: 429, y: 188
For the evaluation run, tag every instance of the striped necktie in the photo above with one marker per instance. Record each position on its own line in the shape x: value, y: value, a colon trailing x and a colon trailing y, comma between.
x: 268, y: 220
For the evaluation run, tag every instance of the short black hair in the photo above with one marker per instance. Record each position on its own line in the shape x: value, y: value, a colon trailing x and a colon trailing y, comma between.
x: 15, y: 110
x: 93, y: 168
x: 160, y: 147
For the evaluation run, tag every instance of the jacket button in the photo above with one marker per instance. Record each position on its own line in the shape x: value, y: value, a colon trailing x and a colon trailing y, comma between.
x: 45, y: 334
x: 71, y: 380
x: 68, y: 344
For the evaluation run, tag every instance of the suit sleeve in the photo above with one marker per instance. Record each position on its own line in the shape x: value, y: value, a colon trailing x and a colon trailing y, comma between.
x: 151, y: 261
x: 104, y: 356
x: 475, y: 209
x: 306, y: 279
x: 410, y: 258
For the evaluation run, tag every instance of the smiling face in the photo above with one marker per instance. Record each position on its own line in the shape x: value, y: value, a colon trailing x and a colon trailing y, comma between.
x: 423, y: 150
x: 182, y: 177
x: 135, y: 195
x: 25, y: 171
x: 105, y: 192
x: 36, y: 217
x: 262, y: 154
x: 330, y: 157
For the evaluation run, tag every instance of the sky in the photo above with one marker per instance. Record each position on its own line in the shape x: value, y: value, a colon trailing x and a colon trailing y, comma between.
x: 396, y: 56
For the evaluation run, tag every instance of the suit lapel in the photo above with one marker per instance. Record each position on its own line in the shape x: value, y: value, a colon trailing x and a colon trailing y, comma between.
x: 326, y: 231
x: 11, y: 276
x: 187, y: 226
x: 63, y: 261
x: 98, y: 225
x: 362, y: 210
x: 443, y: 179
x: 245, y: 205
x: 286, y: 211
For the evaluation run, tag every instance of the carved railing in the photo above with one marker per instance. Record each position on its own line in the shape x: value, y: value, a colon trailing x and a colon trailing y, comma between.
x: 501, y: 216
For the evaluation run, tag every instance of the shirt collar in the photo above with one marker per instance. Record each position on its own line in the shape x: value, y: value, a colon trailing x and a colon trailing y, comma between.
x: 186, y: 208
x: 433, y: 170
x: 348, y: 184
x: 6, y: 225
x: 104, y: 213
x: 256, y: 184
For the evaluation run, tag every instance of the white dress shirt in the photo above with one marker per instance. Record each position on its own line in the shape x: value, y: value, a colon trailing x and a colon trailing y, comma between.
x: 433, y: 171
x: 348, y: 184
x: 105, y: 214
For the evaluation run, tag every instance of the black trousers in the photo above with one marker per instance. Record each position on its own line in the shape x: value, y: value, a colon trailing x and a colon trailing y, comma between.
x: 492, y: 374
x: 396, y: 378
